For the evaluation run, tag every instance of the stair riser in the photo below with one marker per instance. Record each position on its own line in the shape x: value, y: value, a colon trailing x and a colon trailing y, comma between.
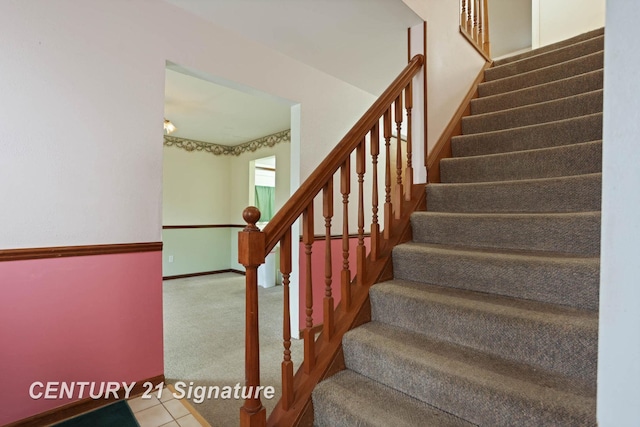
x: 588, y: 63
x: 570, y: 282
x: 564, y: 108
x: 554, y: 347
x: 559, y: 89
x: 478, y: 403
x: 334, y: 405
x: 328, y: 412
x: 553, y: 134
x: 578, y: 159
x: 553, y: 46
x: 573, y: 233
x: 546, y: 59
x: 559, y: 195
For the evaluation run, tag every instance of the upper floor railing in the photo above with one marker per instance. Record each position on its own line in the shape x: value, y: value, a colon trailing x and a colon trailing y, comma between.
x: 474, y: 24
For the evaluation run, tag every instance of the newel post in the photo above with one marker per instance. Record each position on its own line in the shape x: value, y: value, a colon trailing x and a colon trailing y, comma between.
x: 251, y: 253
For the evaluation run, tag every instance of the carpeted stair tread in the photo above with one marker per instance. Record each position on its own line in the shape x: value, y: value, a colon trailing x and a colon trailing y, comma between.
x: 477, y: 387
x: 546, y: 277
x: 573, y: 40
x: 350, y: 399
x: 544, y: 59
x: 563, y: 194
x: 492, y: 314
x: 575, y: 232
x: 550, y: 337
x: 570, y: 86
x: 566, y: 160
x: 551, y: 134
x: 549, y: 111
x: 584, y: 64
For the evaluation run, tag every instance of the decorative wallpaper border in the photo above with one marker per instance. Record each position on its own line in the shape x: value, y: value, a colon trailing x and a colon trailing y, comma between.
x: 225, y: 150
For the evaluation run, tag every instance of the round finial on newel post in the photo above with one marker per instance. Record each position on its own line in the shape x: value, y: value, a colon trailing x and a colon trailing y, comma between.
x: 251, y: 215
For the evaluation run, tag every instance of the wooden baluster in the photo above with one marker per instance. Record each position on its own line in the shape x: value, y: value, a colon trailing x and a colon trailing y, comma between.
x: 251, y: 253
x: 397, y: 203
x: 361, y: 252
x: 388, y: 211
x: 487, y: 45
x: 475, y: 21
x: 345, y: 189
x: 309, y: 335
x: 480, y: 36
x: 375, y: 227
x: 327, y: 202
x: 469, y: 20
x: 463, y: 14
x: 287, y: 364
x: 408, y: 178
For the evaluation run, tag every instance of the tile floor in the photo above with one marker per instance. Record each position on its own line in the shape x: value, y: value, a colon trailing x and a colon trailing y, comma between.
x: 165, y: 412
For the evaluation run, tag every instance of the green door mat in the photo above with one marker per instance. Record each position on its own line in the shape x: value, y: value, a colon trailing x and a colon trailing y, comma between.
x: 115, y: 415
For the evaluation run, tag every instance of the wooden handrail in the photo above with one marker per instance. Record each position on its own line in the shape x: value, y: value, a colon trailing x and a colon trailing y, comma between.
x: 371, y: 261
x: 294, y: 207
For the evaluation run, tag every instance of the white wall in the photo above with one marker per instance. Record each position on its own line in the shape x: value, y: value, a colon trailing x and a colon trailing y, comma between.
x: 81, y: 155
x: 200, y: 188
x: 195, y: 188
x: 555, y: 20
x: 452, y: 63
x: 619, y: 342
x: 195, y: 191
x: 83, y: 88
x: 509, y: 26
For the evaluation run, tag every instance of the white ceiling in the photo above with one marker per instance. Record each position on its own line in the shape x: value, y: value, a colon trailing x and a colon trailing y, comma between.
x: 209, y: 112
x: 362, y: 42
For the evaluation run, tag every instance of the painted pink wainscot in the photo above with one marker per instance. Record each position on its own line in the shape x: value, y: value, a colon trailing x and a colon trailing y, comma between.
x: 88, y: 318
x: 318, y: 274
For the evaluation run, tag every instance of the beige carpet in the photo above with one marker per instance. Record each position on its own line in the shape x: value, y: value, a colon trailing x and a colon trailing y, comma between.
x: 204, y: 339
x: 492, y: 316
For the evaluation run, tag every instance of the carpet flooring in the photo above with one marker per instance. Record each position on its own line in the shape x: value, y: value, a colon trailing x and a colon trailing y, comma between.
x: 492, y: 316
x: 204, y: 339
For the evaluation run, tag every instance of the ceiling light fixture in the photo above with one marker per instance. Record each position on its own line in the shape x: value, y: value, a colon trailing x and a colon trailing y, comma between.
x: 169, y: 127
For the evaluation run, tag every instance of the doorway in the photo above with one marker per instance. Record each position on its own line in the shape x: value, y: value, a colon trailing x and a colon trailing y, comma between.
x: 262, y: 187
x: 212, y: 165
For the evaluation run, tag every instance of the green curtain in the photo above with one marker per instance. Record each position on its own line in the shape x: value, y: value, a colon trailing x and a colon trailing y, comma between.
x: 265, y: 201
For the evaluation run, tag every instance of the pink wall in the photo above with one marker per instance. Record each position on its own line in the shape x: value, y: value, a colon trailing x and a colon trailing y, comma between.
x: 89, y: 318
x: 318, y: 275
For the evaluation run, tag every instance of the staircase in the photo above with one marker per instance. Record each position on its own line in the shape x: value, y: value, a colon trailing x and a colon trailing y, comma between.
x: 492, y: 316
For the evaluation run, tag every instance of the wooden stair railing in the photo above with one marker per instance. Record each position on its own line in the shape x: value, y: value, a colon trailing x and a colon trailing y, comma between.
x: 401, y: 197
x: 474, y: 25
